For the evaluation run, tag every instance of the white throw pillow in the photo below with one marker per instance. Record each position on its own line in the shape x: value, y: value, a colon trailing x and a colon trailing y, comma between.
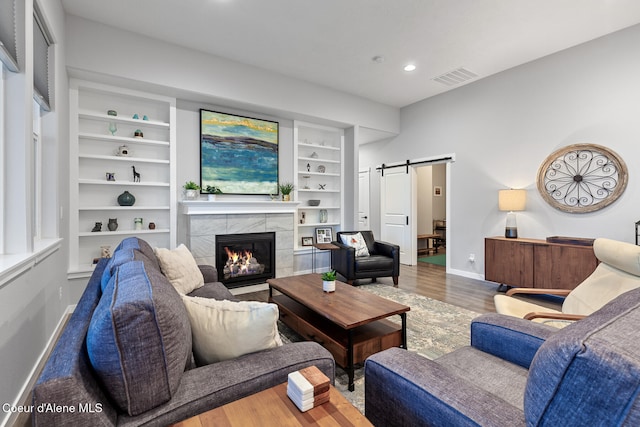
x: 226, y: 329
x: 357, y: 242
x: 180, y: 268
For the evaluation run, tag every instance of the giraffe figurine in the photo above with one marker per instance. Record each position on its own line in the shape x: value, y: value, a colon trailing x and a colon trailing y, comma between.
x: 136, y: 175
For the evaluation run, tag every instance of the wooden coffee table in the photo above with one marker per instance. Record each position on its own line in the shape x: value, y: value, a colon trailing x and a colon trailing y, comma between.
x: 272, y: 407
x: 350, y: 322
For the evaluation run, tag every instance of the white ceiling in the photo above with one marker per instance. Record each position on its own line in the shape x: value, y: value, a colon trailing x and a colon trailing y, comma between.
x: 332, y: 42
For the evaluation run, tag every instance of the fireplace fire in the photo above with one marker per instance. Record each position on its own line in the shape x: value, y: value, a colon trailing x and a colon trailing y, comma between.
x: 241, y: 264
x: 245, y: 259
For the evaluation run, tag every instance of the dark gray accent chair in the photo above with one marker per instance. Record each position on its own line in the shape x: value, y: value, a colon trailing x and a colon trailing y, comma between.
x: 516, y: 373
x: 383, y: 259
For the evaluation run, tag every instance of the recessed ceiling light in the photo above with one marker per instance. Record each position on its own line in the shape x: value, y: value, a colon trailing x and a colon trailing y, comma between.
x: 409, y: 67
x: 378, y: 59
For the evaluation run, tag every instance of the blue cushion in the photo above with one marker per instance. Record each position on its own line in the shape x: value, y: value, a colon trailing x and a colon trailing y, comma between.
x: 139, y: 338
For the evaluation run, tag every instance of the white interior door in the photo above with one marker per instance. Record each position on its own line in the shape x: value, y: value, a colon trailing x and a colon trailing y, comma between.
x: 364, y: 210
x: 396, y: 205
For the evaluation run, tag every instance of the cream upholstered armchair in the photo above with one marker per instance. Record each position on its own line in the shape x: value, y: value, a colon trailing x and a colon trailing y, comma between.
x: 617, y: 272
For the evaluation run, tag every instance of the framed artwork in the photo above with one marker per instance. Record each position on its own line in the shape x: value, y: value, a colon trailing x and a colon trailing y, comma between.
x: 324, y: 235
x: 238, y: 154
x: 437, y: 191
x: 307, y: 241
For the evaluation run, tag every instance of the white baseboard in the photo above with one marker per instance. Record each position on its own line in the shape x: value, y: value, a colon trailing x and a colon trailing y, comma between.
x: 463, y: 273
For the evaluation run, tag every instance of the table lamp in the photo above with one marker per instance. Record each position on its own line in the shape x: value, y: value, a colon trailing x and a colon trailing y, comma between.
x: 511, y: 200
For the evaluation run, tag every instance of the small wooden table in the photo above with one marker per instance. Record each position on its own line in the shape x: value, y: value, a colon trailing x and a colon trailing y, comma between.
x: 350, y: 322
x: 272, y: 407
x: 430, y: 242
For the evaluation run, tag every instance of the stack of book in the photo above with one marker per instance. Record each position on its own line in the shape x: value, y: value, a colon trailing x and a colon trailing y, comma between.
x: 308, y: 388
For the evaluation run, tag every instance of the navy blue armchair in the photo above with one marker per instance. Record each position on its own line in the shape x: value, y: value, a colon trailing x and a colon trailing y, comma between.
x: 517, y: 373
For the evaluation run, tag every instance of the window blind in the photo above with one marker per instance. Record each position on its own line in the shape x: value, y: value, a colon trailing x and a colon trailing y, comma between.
x: 40, y: 63
x: 8, y: 54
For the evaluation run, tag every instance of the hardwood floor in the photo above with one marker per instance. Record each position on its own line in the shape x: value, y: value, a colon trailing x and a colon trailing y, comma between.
x: 432, y: 281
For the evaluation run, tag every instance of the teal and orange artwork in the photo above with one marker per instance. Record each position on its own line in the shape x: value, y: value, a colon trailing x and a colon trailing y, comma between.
x: 238, y: 154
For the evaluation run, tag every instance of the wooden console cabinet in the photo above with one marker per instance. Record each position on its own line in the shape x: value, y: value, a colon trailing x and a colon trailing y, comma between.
x: 533, y: 263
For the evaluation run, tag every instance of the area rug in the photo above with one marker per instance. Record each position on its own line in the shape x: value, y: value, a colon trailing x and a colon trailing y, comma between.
x: 434, y: 328
x: 440, y: 259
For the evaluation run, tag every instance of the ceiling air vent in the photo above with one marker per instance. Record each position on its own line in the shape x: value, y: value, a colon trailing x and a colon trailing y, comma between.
x: 455, y: 77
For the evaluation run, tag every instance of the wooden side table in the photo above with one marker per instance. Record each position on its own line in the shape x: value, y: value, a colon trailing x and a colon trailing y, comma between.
x: 272, y: 407
x: 320, y: 247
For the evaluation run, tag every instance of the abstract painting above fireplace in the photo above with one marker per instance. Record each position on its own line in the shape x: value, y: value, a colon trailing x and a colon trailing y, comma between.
x: 245, y: 259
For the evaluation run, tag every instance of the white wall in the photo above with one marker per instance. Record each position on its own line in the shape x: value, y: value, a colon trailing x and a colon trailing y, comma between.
x: 33, y: 302
x: 188, y: 74
x: 501, y: 129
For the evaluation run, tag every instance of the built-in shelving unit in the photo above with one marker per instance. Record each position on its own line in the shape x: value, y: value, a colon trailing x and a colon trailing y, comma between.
x: 95, y: 151
x: 318, y: 169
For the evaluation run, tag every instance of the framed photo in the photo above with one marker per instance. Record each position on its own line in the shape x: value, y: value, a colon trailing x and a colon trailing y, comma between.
x: 238, y: 154
x: 307, y: 241
x: 324, y: 235
x: 437, y: 191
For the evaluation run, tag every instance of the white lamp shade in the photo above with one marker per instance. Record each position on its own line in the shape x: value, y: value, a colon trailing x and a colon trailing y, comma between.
x: 512, y: 200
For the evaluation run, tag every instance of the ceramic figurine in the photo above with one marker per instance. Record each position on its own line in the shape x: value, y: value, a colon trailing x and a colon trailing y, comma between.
x: 113, y: 224
x: 136, y: 175
x: 112, y: 113
x: 97, y: 227
x: 135, y: 116
x: 145, y: 118
x: 123, y: 151
x: 111, y: 176
x: 137, y: 133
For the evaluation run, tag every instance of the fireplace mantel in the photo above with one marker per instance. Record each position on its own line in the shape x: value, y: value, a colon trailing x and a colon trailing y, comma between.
x: 206, y: 207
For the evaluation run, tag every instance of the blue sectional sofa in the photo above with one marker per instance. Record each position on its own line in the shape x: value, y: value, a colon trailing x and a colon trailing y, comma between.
x: 516, y: 373
x: 125, y: 356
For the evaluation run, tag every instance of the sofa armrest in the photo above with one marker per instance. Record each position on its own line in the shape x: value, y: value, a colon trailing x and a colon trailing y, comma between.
x: 209, y: 272
x: 509, y: 338
x: 211, y: 386
x: 343, y: 260
x: 403, y: 388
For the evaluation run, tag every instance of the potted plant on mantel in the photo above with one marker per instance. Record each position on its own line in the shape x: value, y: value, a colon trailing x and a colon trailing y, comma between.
x: 212, y: 190
x: 329, y: 281
x: 191, y: 190
x: 286, y: 188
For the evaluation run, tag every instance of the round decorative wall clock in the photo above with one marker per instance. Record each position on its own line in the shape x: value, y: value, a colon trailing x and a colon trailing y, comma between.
x: 582, y: 178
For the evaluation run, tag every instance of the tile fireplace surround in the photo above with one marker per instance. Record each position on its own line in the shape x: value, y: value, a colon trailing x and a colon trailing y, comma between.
x: 203, y: 220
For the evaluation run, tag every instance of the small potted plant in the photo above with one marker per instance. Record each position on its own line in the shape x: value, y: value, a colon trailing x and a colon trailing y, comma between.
x: 212, y: 190
x: 286, y: 188
x: 329, y: 281
x: 191, y: 190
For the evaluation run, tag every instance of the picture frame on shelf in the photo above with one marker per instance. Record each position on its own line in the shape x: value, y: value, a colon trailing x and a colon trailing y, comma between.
x: 307, y: 241
x: 238, y: 154
x: 437, y: 191
x: 324, y: 235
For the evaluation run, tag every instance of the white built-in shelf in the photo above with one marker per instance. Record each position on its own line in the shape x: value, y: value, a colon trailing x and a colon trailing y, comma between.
x: 123, y: 159
x: 316, y: 159
x: 322, y: 147
x: 92, y: 115
x: 302, y: 173
x: 123, y: 183
x: 318, y: 224
x: 307, y: 207
x: 124, y: 208
x: 123, y: 232
x: 120, y: 139
x: 93, y: 150
x: 311, y: 190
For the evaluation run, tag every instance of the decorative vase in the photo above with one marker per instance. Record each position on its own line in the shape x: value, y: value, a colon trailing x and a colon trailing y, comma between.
x: 113, y: 224
x: 324, y: 216
x: 329, y: 285
x: 152, y: 226
x: 211, y: 197
x: 286, y: 197
x: 191, y: 194
x: 137, y: 223
x: 126, y: 199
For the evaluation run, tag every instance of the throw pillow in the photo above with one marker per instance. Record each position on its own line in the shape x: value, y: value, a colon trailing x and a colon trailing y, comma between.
x: 180, y: 268
x: 139, y: 338
x: 357, y: 242
x: 227, y: 329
